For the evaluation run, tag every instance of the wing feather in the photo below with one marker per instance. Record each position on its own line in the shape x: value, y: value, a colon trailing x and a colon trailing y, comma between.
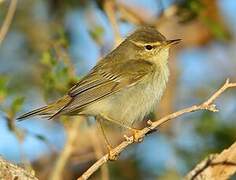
x: 105, y: 80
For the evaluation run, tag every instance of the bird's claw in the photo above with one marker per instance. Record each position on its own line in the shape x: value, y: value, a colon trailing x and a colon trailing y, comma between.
x: 111, y: 156
x: 136, y: 136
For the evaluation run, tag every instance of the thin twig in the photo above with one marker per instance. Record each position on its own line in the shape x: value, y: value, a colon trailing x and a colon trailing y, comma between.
x: 132, y: 15
x: 109, y: 7
x: 207, y: 105
x: 98, y: 152
x: 68, y: 149
x: 7, y: 22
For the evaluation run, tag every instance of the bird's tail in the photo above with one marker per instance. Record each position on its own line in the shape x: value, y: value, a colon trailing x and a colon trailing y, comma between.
x: 50, y: 111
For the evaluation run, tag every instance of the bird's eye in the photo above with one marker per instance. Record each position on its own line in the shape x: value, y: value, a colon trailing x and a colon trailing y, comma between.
x: 148, y: 47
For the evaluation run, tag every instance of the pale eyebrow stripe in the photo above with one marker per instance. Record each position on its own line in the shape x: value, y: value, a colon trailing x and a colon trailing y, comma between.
x: 141, y: 44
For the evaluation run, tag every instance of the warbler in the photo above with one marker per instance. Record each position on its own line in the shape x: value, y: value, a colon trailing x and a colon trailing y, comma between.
x: 123, y: 87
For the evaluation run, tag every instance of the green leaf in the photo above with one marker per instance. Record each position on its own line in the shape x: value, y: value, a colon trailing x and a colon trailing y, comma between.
x: 207, y: 125
x: 40, y: 137
x: 17, y: 104
x: 97, y: 33
x: 216, y: 28
x: 190, y: 10
x: 3, y: 87
x: 47, y: 59
x: 3, y: 82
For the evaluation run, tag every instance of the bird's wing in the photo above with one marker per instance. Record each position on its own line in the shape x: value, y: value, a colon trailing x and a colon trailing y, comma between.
x: 105, y: 80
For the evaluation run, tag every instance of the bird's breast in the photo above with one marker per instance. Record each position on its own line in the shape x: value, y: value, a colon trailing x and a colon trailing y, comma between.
x: 133, y: 103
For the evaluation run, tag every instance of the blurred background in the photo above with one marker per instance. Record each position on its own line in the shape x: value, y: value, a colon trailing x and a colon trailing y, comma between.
x: 51, y: 44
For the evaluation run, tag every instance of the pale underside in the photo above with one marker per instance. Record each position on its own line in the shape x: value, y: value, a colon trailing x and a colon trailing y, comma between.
x: 133, y: 104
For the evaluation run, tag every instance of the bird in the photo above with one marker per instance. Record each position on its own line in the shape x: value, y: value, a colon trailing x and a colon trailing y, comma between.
x: 123, y: 87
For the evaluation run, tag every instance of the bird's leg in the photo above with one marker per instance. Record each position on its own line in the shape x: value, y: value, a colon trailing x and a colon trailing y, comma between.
x: 135, y: 131
x: 109, y: 146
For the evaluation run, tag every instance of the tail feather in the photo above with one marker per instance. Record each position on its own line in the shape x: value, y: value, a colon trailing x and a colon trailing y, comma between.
x: 48, y: 111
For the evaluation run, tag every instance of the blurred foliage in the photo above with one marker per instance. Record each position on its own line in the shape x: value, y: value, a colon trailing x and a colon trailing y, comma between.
x: 215, y: 135
x: 216, y: 28
x: 189, y: 10
x: 60, y: 6
x: 55, y: 75
x: 219, y: 133
x: 192, y: 9
x: 97, y: 34
x: 10, y: 103
x: 58, y: 72
x: 3, y: 88
x: 16, y: 105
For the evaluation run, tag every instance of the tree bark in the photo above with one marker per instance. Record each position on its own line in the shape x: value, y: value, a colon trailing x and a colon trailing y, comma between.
x: 217, y: 166
x: 9, y: 171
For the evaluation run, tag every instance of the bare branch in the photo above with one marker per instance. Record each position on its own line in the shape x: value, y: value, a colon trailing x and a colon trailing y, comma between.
x: 98, y: 152
x: 132, y: 15
x: 68, y: 149
x: 207, y: 105
x: 109, y: 7
x: 220, y: 166
x: 7, y: 22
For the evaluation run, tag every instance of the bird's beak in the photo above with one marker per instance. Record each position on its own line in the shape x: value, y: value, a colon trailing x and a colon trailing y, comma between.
x: 172, y: 42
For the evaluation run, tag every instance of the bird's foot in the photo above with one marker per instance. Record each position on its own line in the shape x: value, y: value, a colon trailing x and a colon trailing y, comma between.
x: 135, y: 136
x: 111, y: 156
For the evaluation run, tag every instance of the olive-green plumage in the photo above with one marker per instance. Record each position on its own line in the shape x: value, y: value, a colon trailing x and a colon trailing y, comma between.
x: 124, y: 86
